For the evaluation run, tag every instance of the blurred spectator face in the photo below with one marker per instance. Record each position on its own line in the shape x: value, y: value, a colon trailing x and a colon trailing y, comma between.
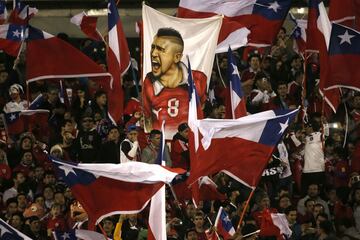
x: 40, y: 200
x: 155, y: 140
x: 16, y: 221
x: 14, y: 93
x: 48, y: 193
x: 69, y: 127
x: 55, y: 211
x: 266, y: 64
x: 291, y: 217
x: 281, y: 34
x: 284, y: 202
x: 262, y: 84
x: 67, y: 116
x: 20, y: 178
x: 132, y: 217
x: 185, y: 133
x: 265, y: 203
x: 191, y: 235
x: 59, y: 198
x: 87, y: 123
x: 190, y: 210
x: 52, y: 95
x: 221, y: 112
x: 108, y: 226
x: 255, y: 63
x: 39, y: 173
x: 49, y: 179
x: 128, y: 83
x: 3, y: 76
x: 350, y: 148
x: 56, y: 153
x: 35, y: 226
x: 80, y: 93
x: 282, y: 90
x: 296, y: 63
x: 26, y: 144
x: 22, y: 201
x: 310, y: 206
x: 132, y: 135
x: 27, y: 159
x: 356, y: 102
x: 318, y: 209
x: 278, y: 65
x: 357, y: 195
x: 101, y: 100
x: 68, y: 193
x: 113, y: 135
x: 12, y: 208
x: 199, y: 221
x: 313, y: 191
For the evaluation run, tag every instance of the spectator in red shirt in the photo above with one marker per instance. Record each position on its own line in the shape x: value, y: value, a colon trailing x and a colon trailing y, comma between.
x: 179, y: 148
x: 56, y: 221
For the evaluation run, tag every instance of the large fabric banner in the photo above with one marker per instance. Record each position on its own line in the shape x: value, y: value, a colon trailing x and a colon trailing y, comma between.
x: 167, y: 41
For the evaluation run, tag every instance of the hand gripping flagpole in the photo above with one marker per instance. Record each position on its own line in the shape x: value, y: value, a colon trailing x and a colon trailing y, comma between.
x: 245, y: 208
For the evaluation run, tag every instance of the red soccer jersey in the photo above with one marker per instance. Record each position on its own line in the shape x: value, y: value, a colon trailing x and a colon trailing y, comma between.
x: 170, y: 104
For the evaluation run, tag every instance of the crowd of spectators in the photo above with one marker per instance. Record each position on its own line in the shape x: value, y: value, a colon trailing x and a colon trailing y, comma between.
x: 312, y: 177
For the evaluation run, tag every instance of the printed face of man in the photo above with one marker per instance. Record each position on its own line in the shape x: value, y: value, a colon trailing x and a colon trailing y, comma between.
x: 165, y: 54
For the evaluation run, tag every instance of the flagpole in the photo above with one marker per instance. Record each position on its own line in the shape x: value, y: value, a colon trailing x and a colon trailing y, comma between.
x: 246, y: 206
x: 103, y: 231
x: 218, y: 67
x: 217, y: 235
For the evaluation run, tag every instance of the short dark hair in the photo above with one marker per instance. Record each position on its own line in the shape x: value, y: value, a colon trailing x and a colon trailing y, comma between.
x: 308, y: 200
x: 290, y: 209
x: 189, y: 230
x: 154, y: 132
x: 170, y: 32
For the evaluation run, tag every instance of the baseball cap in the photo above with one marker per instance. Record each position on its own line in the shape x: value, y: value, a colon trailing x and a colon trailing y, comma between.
x: 131, y: 128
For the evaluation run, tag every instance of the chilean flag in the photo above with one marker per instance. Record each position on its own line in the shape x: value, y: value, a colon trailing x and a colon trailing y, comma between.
x: 344, y: 58
x: 11, y: 37
x: 8, y: 232
x: 118, y: 60
x: 201, y: 190
x: 76, y: 234
x: 240, y: 147
x: 274, y: 225
x: 18, y: 122
x: 262, y: 17
x: 87, y: 25
x: 3, y: 12
x: 238, y: 102
x: 50, y: 57
x: 223, y: 224
x: 157, y: 213
x: 299, y: 34
x: 108, y: 189
x: 318, y: 38
x: 21, y: 13
x: 346, y: 12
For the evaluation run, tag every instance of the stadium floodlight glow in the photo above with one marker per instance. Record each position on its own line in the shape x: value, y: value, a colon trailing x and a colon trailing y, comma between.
x: 97, y: 12
x: 301, y: 10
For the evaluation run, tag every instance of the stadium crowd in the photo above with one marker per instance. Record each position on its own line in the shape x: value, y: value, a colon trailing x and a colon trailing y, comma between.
x: 312, y: 177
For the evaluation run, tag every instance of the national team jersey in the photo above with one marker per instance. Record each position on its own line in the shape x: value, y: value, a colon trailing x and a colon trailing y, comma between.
x: 170, y: 104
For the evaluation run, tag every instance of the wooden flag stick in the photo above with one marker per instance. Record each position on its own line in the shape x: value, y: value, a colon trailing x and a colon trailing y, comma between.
x: 246, y: 206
